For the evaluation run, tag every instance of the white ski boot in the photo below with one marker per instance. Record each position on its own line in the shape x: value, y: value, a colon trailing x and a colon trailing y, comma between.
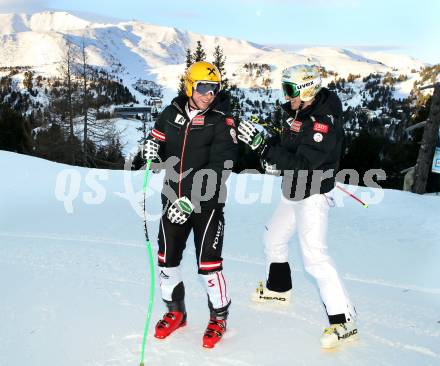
x: 338, y: 334
x: 262, y: 294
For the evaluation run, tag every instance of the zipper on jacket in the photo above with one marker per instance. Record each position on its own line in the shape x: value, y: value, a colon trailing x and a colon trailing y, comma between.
x: 181, y: 159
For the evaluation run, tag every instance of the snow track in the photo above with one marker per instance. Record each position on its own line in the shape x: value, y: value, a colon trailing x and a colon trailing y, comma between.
x: 75, y: 287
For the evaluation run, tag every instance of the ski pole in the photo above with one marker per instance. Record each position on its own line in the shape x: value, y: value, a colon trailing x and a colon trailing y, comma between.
x: 352, y: 196
x: 150, y: 255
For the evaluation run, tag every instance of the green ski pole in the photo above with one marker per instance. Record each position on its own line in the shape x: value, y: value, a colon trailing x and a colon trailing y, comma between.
x: 150, y: 256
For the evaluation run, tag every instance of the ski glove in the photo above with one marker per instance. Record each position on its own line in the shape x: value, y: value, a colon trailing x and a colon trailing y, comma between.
x: 249, y: 134
x: 180, y: 210
x: 270, y: 168
x: 151, y: 150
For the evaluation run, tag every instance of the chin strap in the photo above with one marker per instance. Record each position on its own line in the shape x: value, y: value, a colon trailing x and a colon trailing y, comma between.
x: 190, y: 106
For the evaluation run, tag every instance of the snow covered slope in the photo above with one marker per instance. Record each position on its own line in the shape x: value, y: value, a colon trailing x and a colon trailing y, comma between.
x: 40, y: 22
x: 75, y: 287
x: 158, y: 53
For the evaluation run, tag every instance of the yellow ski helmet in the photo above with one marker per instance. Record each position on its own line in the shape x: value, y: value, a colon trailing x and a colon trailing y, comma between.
x: 201, y: 71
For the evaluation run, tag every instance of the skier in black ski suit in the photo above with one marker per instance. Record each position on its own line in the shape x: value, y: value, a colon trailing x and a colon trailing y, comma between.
x: 196, y: 138
x: 307, y: 155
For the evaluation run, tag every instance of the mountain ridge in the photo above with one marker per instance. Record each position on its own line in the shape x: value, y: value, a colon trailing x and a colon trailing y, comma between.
x: 157, y: 52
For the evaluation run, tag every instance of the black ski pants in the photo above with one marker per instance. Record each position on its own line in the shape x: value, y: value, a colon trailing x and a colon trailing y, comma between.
x: 208, y: 228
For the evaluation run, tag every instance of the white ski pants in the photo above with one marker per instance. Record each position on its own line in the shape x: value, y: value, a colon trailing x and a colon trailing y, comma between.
x: 309, y: 217
x: 214, y: 283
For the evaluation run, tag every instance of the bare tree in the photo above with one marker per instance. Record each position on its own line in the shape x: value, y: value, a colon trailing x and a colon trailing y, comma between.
x: 427, y: 148
x: 65, y: 108
x: 66, y: 71
x: 83, y: 70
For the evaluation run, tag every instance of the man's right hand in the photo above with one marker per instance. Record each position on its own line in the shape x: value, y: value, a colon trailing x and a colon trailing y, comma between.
x: 151, y: 150
x: 249, y: 134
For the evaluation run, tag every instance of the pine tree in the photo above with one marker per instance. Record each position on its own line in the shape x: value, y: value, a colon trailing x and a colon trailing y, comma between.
x: 189, y: 58
x: 51, y: 145
x: 182, y: 90
x: 199, y: 53
x: 138, y: 162
x: 15, y: 133
x: 219, y: 61
x: 189, y: 62
x: 27, y: 81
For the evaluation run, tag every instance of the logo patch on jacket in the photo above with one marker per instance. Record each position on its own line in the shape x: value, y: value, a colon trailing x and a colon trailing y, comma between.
x: 318, y: 137
x: 180, y: 120
x: 198, y: 121
x: 320, y: 127
x: 295, y: 126
x: 230, y: 122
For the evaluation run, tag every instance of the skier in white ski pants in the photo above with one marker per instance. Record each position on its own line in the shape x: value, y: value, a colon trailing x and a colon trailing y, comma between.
x: 308, y: 217
x: 307, y: 152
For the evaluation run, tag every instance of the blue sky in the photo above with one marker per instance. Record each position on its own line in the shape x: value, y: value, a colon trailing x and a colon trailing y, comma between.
x: 403, y: 26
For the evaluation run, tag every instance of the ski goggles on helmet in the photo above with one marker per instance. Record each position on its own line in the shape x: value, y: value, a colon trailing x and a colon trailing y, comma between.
x: 290, y: 89
x: 205, y: 87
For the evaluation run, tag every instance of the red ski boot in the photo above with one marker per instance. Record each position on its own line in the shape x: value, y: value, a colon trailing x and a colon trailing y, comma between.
x: 214, y: 332
x: 169, y: 323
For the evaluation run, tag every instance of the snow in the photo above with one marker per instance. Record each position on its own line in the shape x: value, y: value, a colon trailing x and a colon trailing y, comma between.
x: 402, y: 62
x: 130, y: 136
x: 41, y: 22
x: 403, y: 89
x: 75, y: 285
x: 43, y: 50
x: 344, y: 61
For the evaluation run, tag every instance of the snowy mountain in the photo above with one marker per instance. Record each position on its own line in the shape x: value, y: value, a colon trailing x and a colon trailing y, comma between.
x: 41, y: 22
x: 140, y: 64
x: 75, y: 285
x: 157, y: 53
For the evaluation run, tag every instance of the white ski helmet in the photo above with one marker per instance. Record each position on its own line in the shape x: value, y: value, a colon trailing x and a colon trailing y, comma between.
x: 301, y: 80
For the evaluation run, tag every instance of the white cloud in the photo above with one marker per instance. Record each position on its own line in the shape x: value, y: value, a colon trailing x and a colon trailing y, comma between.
x: 15, y: 6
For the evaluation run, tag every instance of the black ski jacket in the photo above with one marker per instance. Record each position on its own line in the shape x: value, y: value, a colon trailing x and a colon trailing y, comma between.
x: 202, y: 152
x: 309, y: 151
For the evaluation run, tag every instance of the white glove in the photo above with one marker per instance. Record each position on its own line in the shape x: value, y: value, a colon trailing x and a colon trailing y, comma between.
x: 270, y: 168
x: 180, y: 210
x: 249, y: 134
x: 151, y: 150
